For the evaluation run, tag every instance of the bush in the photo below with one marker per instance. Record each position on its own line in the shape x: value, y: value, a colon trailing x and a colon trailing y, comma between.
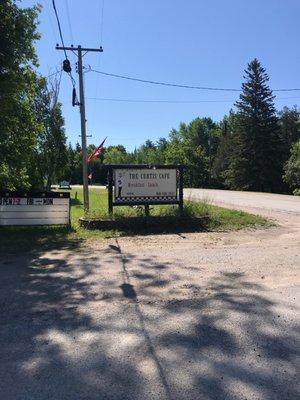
x: 296, y: 192
x: 292, y: 169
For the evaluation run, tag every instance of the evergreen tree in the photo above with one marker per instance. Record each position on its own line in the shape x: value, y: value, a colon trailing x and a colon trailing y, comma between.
x: 224, y: 150
x: 256, y: 163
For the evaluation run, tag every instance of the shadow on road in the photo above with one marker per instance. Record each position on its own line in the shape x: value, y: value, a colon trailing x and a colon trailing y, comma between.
x: 64, y: 336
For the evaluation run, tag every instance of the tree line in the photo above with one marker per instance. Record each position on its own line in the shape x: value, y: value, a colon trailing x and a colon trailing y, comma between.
x: 254, y: 147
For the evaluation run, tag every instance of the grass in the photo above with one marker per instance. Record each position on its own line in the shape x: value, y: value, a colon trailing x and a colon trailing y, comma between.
x: 212, y: 218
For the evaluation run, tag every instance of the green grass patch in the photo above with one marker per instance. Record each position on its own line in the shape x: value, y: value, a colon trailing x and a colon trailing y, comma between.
x: 164, y: 219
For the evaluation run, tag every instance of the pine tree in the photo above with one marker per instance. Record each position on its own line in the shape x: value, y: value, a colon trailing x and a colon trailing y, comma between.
x: 224, y: 150
x: 256, y: 163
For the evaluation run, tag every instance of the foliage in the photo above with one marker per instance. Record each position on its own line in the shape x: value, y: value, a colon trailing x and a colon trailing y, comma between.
x: 210, y: 149
x: 51, y: 151
x: 296, y: 192
x: 194, y: 144
x: 19, y: 127
x: 256, y: 162
x: 246, y: 150
x: 116, y: 155
x: 292, y: 168
x: 289, y: 123
x: 224, y: 150
x: 20, y: 239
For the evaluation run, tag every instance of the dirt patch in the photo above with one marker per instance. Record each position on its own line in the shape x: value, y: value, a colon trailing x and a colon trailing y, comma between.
x: 195, y: 315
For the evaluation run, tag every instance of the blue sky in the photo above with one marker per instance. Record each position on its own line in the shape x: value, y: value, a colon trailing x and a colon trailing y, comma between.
x: 194, y: 42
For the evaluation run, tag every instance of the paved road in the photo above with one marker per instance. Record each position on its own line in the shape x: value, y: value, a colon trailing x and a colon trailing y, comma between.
x: 209, y: 316
x: 251, y: 200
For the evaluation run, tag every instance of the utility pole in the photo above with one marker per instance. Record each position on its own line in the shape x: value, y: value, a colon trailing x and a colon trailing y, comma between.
x: 81, y: 104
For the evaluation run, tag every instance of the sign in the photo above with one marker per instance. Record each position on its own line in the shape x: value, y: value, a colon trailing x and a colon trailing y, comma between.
x: 64, y: 185
x: 35, y: 208
x: 144, y: 184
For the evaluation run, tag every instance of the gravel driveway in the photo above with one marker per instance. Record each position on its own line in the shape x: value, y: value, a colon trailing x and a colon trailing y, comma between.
x: 207, y: 316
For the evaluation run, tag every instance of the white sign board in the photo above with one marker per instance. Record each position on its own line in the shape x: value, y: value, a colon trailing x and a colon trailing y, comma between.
x: 20, y: 210
x: 145, y: 184
x: 64, y: 184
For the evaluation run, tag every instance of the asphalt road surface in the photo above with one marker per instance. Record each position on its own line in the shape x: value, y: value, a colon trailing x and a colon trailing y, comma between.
x: 260, y: 202
x: 208, y: 316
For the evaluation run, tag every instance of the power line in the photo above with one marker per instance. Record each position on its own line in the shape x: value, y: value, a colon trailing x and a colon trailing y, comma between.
x: 181, y: 85
x: 163, y: 83
x: 54, y: 33
x: 101, y: 21
x: 69, y: 20
x: 172, y: 101
x: 94, y: 111
x: 159, y: 101
x: 66, y: 56
x: 59, y: 27
x: 286, y: 98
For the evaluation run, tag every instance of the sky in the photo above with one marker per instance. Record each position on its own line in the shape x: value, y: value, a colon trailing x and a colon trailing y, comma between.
x: 191, y: 42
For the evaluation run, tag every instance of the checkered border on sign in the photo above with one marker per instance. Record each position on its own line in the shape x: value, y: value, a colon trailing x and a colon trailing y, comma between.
x: 146, y: 198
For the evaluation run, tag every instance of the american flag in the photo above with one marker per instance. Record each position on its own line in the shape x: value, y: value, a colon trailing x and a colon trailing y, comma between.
x: 95, y: 153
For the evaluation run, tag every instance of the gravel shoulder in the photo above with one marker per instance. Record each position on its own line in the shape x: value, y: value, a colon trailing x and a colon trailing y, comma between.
x: 207, y: 316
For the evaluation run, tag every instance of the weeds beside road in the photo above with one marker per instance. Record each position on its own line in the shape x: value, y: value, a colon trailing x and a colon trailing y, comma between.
x: 20, y: 239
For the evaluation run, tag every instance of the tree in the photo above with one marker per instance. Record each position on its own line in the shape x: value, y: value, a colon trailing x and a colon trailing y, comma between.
x: 115, y: 155
x: 73, y: 172
x: 51, y: 151
x: 225, y: 149
x: 289, y: 121
x: 256, y: 163
x: 19, y: 83
x: 194, y: 144
x: 292, y: 168
x: 150, y: 153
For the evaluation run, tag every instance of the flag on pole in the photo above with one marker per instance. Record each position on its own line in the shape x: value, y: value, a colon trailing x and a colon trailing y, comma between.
x: 95, y: 153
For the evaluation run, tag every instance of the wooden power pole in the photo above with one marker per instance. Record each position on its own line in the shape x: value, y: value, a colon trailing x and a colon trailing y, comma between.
x: 79, y: 51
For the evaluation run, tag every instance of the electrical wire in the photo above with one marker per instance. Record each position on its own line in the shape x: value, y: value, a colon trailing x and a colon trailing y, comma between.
x: 94, y: 110
x: 62, y: 41
x: 180, y: 85
x: 172, y: 101
x: 101, y: 22
x: 158, y: 101
x: 69, y: 20
x: 59, y: 27
x: 162, y: 83
x: 54, y: 33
